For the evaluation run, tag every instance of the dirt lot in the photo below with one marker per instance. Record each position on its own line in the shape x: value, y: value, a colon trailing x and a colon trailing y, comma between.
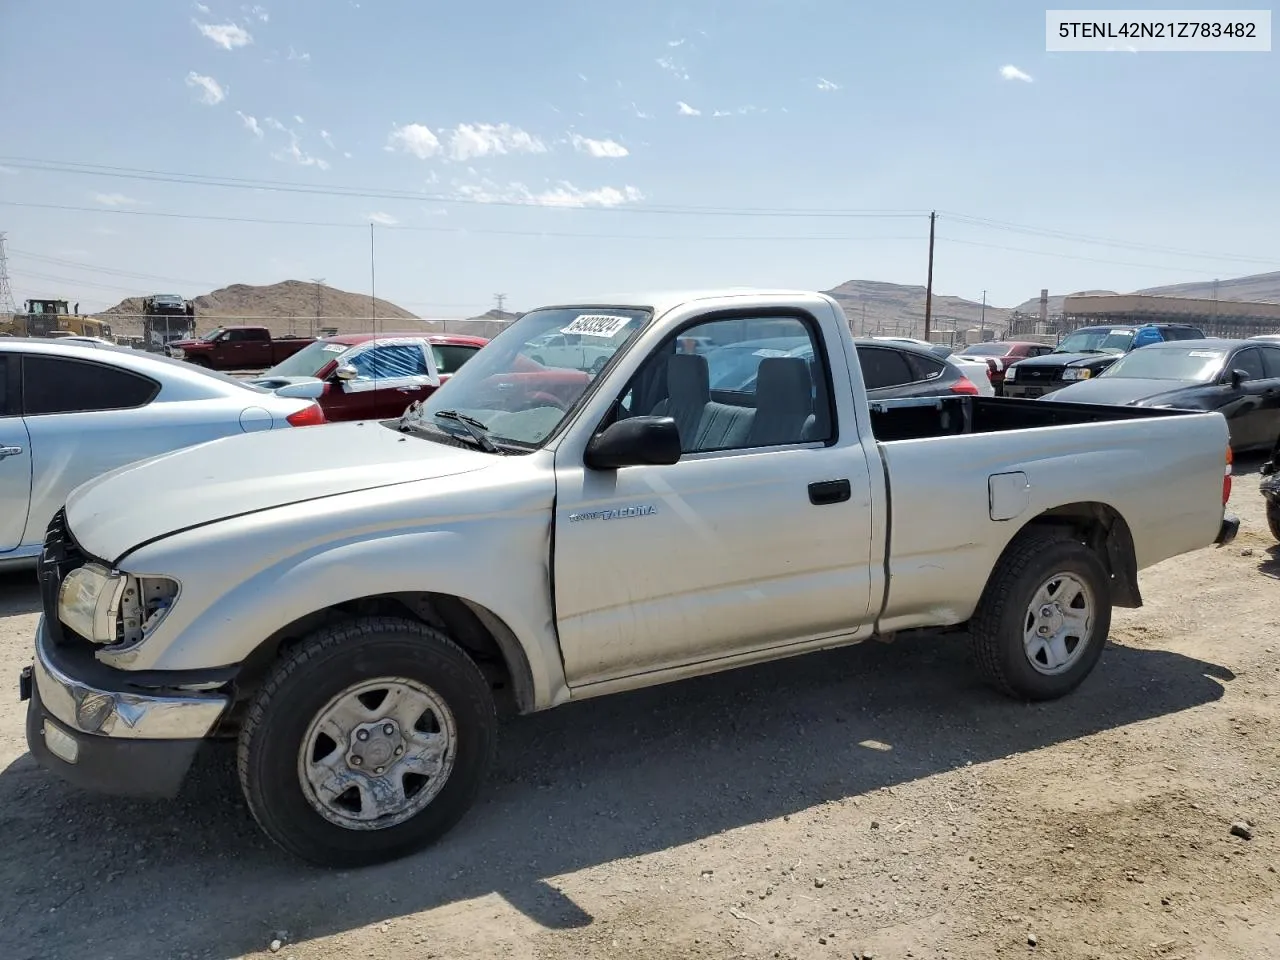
x: 875, y: 800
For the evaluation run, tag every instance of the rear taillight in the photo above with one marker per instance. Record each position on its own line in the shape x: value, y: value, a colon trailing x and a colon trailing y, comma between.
x: 965, y: 385
x: 309, y: 416
x: 992, y: 369
x: 1226, y: 479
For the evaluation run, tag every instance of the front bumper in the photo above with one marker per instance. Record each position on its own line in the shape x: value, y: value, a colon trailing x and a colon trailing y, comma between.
x: 1029, y: 391
x: 110, y: 737
x: 1227, y: 532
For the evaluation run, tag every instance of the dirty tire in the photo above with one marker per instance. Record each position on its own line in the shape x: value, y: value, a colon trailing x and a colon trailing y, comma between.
x: 1273, y: 519
x: 998, y: 624
x: 306, y: 679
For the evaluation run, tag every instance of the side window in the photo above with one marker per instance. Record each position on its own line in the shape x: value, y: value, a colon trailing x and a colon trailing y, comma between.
x: 1250, y: 361
x: 6, y: 407
x: 1270, y: 362
x: 450, y: 357
x: 391, y: 360
x: 883, y: 368
x: 924, y: 368
x: 775, y: 393
x: 61, y: 385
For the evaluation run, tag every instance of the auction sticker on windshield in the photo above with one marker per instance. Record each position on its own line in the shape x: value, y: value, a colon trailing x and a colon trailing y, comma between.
x: 1207, y: 354
x: 334, y: 347
x: 601, y: 325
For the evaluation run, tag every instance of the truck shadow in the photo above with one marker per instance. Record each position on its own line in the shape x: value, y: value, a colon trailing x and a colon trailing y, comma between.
x: 576, y: 787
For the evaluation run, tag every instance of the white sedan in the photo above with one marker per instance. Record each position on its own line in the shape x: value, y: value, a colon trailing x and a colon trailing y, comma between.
x: 72, y: 411
x: 976, y: 370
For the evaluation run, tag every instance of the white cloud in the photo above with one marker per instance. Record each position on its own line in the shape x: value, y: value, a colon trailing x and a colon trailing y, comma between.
x: 295, y: 55
x: 687, y: 111
x: 598, y: 148
x: 826, y: 85
x: 673, y: 68
x: 114, y: 199
x: 722, y: 113
x: 562, y: 194
x: 105, y: 232
x: 347, y: 155
x: 211, y: 92
x: 414, y: 138
x: 8, y: 171
x: 226, y: 35
x: 324, y: 135
x: 383, y: 219
x: 276, y: 125
x: 640, y: 114
x: 201, y: 8
x: 582, y: 77
x: 294, y: 152
x: 482, y: 139
x: 258, y: 12
x: 676, y: 43
x: 1010, y: 72
x: 297, y: 119
x: 251, y: 124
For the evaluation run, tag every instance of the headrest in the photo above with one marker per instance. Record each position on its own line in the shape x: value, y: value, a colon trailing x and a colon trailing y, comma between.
x: 688, y: 379
x: 783, y: 384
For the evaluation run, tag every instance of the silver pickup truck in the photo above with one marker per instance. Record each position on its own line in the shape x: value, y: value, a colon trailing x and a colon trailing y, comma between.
x: 355, y: 604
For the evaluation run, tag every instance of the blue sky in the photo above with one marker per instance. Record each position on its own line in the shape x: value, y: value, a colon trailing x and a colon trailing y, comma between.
x: 569, y: 115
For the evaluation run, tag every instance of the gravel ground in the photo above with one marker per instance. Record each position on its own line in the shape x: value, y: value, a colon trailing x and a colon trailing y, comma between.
x: 873, y: 801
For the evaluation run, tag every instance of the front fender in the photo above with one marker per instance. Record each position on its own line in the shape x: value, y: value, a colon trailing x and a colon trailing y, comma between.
x: 508, y: 577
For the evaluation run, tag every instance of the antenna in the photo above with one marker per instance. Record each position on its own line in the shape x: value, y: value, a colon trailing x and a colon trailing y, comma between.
x: 7, y: 304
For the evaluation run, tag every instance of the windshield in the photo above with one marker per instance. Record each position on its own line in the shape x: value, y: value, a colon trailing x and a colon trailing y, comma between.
x: 1097, y: 340
x: 734, y: 366
x: 212, y: 334
x: 1168, y: 364
x: 308, y: 361
x: 985, y: 350
x: 522, y: 385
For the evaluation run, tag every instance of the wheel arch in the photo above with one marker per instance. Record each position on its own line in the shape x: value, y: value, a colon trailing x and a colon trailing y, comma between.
x: 482, y: 634
x: 1103, y: 528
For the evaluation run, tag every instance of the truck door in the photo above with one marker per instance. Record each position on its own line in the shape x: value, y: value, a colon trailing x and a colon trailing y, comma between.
x: 391, y: 375
x: 255, y: 348
x: 759, y: 537
x: 15, y: 457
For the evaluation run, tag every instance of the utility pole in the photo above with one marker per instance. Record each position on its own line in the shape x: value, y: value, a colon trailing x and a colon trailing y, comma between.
x: 7, y: 304
x: 501, y: 299
x: 982, y: 325
x: 928, y: 290
x: 315, y: 324
x: 373, y: 286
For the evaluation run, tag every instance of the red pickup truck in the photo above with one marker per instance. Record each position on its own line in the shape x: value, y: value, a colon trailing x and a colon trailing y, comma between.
x: 237, y: 348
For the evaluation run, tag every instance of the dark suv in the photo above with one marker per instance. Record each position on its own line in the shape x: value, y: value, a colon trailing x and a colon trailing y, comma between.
x: 1085, y: 353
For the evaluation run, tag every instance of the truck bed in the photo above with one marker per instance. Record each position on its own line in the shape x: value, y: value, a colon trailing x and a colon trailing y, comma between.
x: 918, y: 418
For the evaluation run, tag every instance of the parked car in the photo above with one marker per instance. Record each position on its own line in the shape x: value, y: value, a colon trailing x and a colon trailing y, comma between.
x: 1085, y: 353
x: 1270, y: 488
x: 977, y: 372
x: 71, y: 411
x: 367, y: 376
x: 1238, y: 378
x: 391, y: 583
x: 1270, y: 337
x: 237, y: 348
x: 999, y: 355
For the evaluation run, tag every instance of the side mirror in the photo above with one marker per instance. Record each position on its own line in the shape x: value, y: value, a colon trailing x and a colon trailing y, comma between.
x: 346, y: 372
x: 1238, y: 377
x: 634, y: 442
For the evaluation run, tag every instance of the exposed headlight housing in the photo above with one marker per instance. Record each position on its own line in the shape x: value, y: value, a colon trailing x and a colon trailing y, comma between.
x: 1077, y: 373
x: 112, y: 608
x: 1011, y: 373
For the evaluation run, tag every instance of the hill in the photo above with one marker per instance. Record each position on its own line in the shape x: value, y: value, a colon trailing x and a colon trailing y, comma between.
x: 275, y: 306
x: 893, y: 308
x: 1255, y: 287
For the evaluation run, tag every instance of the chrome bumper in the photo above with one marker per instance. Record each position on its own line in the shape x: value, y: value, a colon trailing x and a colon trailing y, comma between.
x: 123, y: 714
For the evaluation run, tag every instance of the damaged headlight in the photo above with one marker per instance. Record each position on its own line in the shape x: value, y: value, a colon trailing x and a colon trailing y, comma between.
x: 114, y: 608
x: 89, y: 602
x: 1077, y: 373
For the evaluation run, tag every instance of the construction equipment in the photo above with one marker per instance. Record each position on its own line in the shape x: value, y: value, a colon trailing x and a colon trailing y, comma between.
x: 47, y: 318
x: 166, y: 318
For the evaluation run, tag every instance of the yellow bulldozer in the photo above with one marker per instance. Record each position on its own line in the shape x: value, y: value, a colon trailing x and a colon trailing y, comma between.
x: 52, y: 318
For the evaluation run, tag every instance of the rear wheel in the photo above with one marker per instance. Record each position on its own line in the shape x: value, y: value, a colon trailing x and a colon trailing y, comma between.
x: 1044, y: 616
x: 367, y: 742
x: 1273, y: 518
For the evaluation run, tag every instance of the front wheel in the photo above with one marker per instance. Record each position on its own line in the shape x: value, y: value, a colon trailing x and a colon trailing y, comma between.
x: 1044, y: 616
x: 367, y: 742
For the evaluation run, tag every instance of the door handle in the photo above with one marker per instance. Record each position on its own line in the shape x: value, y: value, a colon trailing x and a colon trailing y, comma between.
x: 406, y: 389
x: 9, y: 452
x: 824, y: 492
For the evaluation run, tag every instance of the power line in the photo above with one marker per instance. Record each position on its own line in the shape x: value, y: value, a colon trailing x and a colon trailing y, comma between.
x: 1069, y: 256
x: 107, y: 271
x: 285, y: 186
